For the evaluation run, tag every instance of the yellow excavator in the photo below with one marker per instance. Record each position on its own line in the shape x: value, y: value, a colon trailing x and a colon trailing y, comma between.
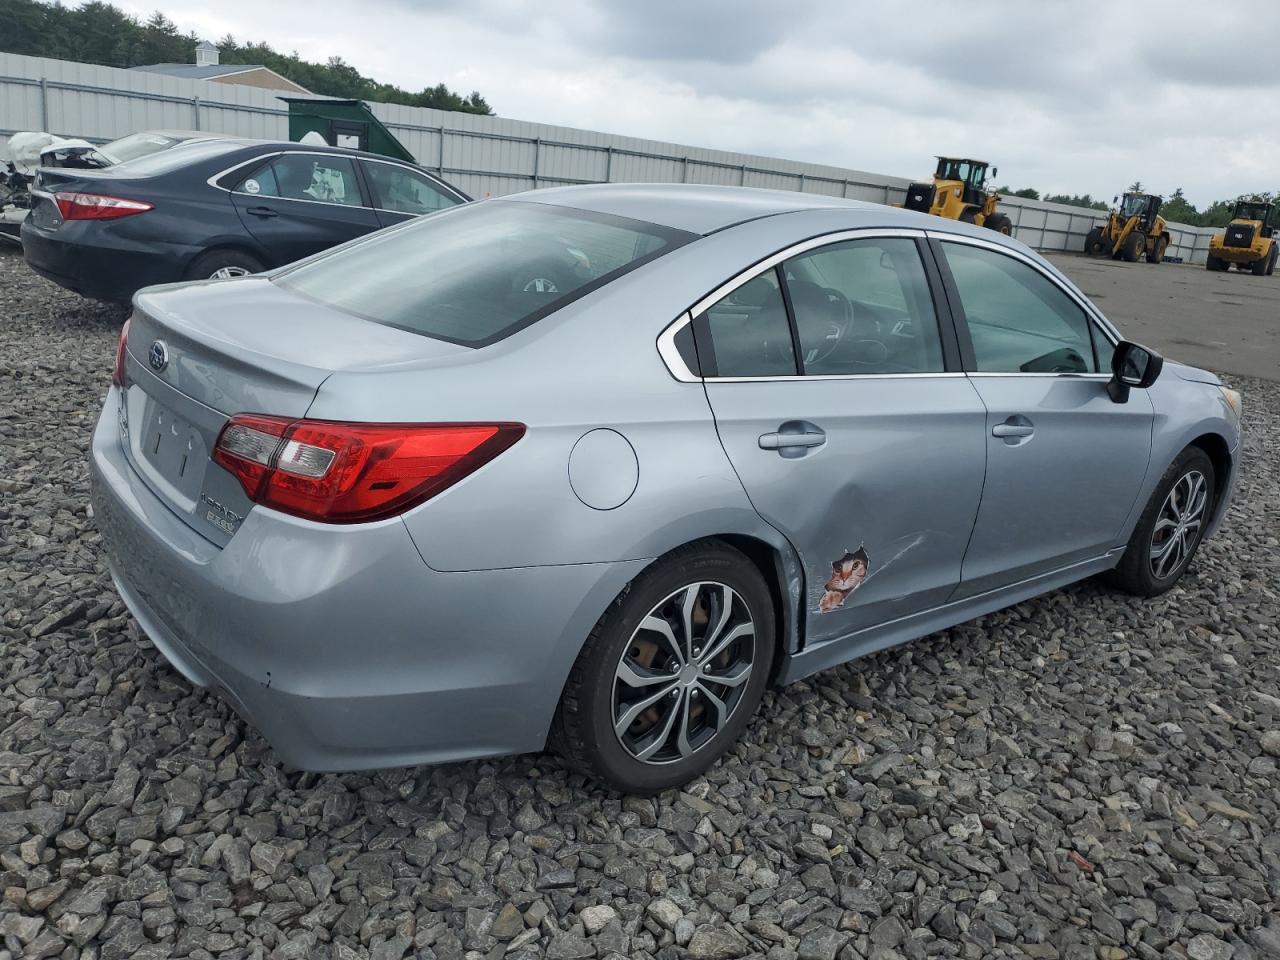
x: 1249, y: 240
x: 959, y: 192
x: 1133, y: 230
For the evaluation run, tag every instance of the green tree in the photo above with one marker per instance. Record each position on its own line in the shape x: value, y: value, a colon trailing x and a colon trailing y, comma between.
x: 1178, y: 209
x: 99, y: 32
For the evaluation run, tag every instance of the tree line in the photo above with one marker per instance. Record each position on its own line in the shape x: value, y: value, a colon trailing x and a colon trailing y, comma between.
x: 102, y: 33
x: 1176, y: 206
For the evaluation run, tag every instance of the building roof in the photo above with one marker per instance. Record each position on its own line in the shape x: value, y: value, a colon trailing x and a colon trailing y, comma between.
x: 190, y: 71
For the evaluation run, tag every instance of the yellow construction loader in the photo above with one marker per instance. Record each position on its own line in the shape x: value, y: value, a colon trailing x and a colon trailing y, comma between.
x: 1134, y: 230
x: 958, y: 192
x: 1249, y: 240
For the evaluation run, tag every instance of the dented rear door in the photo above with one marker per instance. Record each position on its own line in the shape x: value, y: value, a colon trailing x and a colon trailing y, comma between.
x: 875, y: 478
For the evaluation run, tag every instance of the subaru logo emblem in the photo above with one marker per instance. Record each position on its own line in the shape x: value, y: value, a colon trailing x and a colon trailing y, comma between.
x: 158, y: 355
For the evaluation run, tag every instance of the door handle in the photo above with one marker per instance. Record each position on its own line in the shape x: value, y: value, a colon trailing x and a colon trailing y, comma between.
x: 261, y: 212
x: 788, y: 441
x: 793, y: 438
x: 1013, y: 430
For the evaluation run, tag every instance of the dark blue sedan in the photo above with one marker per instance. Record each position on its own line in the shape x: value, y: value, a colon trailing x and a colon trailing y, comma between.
x: 212, y: 209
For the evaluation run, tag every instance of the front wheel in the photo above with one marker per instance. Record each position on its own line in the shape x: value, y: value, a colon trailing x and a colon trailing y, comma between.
x: 671, y: 674
x: 1094, y: 244
x: 1000, y: 224
x: 1158, y: 247
x: 1170, y: 528
x: 1271, y: 264
x: 1134, y: 246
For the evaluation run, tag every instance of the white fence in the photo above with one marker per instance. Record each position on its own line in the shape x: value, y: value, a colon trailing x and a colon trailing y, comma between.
x: 481, y: 155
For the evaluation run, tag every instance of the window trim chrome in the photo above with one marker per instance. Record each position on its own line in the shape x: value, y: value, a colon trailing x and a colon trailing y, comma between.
x: 265, y: 157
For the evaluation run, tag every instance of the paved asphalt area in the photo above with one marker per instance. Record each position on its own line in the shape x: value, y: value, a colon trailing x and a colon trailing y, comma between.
x: 1081, y: 776
x: 1224, y: 322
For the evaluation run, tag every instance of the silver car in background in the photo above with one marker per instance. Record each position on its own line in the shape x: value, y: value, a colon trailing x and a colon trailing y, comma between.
x: 596, y: 465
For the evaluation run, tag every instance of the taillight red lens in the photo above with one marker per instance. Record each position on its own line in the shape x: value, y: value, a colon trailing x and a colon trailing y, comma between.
x: 353, y: 472
x: 94, y: 206
x: 122, y: 346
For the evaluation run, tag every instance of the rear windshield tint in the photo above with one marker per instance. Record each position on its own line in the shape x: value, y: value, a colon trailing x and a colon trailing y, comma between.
x: 477, y: 273
x: 179, y: 155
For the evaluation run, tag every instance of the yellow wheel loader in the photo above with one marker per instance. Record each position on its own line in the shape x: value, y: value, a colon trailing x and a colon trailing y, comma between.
x: 1249, y: 240
x: 958, y: 192
x: 1133, y: 231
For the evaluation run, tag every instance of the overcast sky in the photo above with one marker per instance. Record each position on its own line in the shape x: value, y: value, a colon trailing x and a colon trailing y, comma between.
x: 1077, y: 96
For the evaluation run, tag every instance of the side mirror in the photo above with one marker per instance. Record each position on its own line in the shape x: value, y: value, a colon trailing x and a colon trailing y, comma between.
x: 995, y: 172
x: 1132, y: 365
x: 1115, y: 199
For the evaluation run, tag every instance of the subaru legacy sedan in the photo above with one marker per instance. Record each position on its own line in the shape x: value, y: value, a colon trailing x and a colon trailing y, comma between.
x: 594, y: 466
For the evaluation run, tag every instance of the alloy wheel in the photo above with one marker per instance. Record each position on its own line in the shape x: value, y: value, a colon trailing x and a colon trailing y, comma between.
x: 1178, y: 524
x: 226, y: 273
x: 683, y: 673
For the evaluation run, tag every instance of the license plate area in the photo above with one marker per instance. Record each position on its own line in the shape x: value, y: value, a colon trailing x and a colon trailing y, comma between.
x: 169, y: 451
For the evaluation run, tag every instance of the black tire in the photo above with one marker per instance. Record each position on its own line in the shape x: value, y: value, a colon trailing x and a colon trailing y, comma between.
x: 584, y: 731
x: 207, y: 266
x: 969, y: 215
x: 1135, y: 572
x: 1213, y: 263
x: 1158, y: 247
x: 1095, y: 243
x: 1135, y: 244
x: 1000, y: 224
x: 1259, y: 266
x: 1271, y: 264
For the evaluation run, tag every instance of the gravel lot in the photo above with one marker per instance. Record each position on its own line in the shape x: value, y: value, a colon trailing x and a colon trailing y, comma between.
x: 1080, y: 776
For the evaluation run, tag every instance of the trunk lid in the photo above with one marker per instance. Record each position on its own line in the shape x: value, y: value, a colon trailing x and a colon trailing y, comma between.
x: 200, y: 353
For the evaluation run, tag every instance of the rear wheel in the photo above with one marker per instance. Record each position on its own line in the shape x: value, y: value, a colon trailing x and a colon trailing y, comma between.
x: 1000, y: 224
x: 969, y: 215
x: 671, y: 674
x: 1170, y: 528
x: 1156, y: 253
x: 1095, y: 243
x: 223, y: 265
x: 1259, y: 266
x: 1271, y: 265
x: 1213, y: 263
x: 1135, y: 244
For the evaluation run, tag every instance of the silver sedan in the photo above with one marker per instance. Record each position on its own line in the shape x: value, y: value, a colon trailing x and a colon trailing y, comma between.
x: 597, y: 465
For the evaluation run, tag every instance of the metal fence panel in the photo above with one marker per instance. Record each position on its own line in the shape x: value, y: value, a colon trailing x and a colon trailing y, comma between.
x: 485, y: 156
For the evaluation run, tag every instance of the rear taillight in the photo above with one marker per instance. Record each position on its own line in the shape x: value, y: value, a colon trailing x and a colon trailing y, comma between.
x: 353, y: 472
x: 122, y: 347
x: 93, y: 206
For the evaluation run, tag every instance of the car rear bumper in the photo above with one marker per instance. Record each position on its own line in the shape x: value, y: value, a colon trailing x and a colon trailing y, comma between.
x: 87, y: 258
x: 339, y: 643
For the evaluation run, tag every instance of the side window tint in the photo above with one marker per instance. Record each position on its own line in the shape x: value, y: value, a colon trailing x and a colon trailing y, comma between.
x: 260, y: 183
x: 1019, y: 320
x: 405, y: 191
x: 863, y: 306
x: 301, y: 176
x: 750, y: 335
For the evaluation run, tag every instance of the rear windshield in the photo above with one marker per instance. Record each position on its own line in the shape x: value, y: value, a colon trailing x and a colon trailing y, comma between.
x: 477, y: 273
x: 138, y: 145
x: 179, y: 155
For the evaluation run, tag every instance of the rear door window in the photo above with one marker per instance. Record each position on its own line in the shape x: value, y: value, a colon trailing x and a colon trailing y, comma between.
x: 304, y: 176
x: 402, y: 190
x: 749, y: 332
x: 864, y: 307
x: 479, y: 272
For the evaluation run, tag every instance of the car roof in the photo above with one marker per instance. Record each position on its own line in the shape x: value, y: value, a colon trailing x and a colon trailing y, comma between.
x: 702, y: 209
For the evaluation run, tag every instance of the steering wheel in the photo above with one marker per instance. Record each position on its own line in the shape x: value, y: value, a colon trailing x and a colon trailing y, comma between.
x: 838, y: 328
